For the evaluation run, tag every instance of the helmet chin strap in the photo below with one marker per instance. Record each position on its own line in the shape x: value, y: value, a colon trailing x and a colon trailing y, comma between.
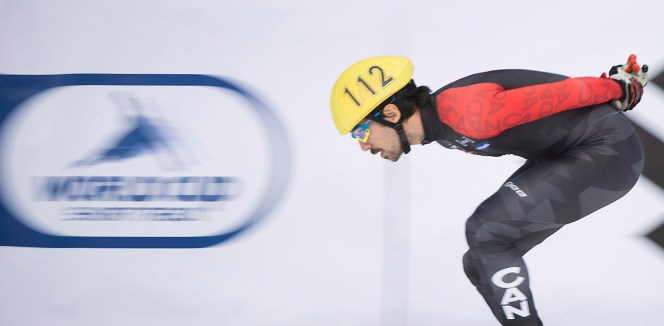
x: 398, y: 126
x: 405, y: 145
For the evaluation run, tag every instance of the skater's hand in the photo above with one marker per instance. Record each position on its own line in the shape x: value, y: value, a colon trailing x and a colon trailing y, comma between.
x: 632, y: 79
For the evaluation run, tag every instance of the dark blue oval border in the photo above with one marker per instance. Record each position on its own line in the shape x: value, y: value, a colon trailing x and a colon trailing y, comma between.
x: 15, y: 89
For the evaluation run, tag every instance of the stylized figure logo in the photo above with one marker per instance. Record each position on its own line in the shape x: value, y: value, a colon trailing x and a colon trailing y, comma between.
x: 145, y: 135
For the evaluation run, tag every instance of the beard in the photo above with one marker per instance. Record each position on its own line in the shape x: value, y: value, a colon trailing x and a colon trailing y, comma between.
x: 388, y: 155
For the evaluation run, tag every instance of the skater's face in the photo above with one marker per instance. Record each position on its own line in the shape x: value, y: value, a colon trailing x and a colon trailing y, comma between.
x: 381, y: 139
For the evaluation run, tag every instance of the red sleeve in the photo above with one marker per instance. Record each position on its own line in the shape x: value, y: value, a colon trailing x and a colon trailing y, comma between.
x: 485, y: 110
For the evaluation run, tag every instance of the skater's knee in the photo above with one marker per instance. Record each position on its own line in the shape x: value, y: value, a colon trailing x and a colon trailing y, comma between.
x: 489, y: 237
x: 470, y: 268
x: 473, y: 225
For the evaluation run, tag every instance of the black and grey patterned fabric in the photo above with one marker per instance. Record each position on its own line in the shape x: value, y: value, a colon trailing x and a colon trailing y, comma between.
x: 578, y: 161
x: 540, y: 198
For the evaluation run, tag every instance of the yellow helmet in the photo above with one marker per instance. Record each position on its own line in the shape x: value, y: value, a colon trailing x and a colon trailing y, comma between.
x: 365, y: 85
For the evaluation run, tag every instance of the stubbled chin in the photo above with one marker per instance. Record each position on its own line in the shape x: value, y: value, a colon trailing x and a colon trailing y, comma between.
x: 391, y: 157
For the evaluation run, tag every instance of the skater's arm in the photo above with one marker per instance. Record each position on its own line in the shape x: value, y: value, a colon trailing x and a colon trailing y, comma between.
x: 497, y: 103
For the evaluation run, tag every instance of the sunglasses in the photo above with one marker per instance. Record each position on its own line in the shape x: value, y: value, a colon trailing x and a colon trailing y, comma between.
x: 362, y: 132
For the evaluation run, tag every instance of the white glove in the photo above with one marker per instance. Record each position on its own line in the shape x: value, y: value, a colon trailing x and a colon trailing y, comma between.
x: 632, y: 79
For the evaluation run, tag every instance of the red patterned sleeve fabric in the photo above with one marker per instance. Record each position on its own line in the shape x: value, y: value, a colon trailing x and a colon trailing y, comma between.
x: 485, y: 110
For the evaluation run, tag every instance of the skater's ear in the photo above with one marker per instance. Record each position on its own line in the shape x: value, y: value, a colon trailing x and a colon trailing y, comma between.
x: 391, y: 113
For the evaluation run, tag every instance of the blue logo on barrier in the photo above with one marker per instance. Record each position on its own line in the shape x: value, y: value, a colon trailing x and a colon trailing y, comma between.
x: 93, y: 194
x: 143, y: 136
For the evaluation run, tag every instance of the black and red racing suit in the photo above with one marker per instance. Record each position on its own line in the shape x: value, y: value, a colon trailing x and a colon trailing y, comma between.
x: 582, y: 154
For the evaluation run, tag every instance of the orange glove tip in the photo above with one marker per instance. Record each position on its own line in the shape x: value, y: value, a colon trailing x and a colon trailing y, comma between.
x: 632, y: 65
